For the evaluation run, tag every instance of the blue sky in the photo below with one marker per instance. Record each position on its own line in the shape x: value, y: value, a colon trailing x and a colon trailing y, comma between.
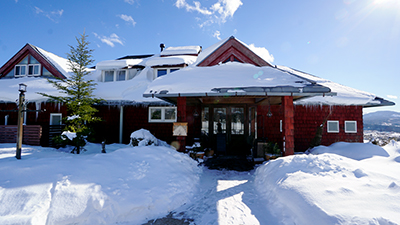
x: 352, y: 42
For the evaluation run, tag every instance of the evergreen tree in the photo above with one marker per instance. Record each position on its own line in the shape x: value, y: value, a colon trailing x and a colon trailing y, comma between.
x: 79, y: 97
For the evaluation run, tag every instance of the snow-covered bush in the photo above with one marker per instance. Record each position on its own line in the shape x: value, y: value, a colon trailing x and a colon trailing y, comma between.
x: 143, y: 137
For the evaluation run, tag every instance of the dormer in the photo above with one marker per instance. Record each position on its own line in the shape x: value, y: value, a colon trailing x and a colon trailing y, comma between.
x: 119, y: 70
x: 173, y: 59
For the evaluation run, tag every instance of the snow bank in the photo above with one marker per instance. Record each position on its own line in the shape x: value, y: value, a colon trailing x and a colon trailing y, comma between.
x: 125, y: 185
x: 347, y: 184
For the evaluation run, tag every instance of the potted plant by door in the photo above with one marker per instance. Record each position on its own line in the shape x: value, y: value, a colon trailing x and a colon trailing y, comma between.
x: 272, y: 151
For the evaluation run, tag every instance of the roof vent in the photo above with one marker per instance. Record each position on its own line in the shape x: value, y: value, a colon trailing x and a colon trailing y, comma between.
x: 162, y: 46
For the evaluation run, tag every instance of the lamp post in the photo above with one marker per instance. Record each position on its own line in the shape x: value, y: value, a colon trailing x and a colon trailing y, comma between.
x: 22, y: 90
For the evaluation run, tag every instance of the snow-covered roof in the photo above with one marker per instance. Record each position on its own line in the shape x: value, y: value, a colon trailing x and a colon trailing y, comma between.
x: 118, y: 64
x: 171, y: 60
x: 181, y: 50
x: 231, y: 77
x: 345, y: 95
x: 60, y: 63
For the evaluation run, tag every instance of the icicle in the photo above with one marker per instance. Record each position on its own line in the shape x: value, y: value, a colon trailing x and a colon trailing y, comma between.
x: 38, y: 107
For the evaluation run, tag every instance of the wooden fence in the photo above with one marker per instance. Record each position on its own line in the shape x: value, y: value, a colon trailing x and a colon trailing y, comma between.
x: 32, y: 134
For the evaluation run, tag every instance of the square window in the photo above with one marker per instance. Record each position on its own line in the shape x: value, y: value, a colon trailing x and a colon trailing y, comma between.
x: 121, y: 75
x: 161, y: 72
x: 162, y: 114
x: 34, y: 70
x: 55, y: 118
x: 170, y: 114
x: 20, y: 70
x: 350, y: 126
x: 155, y: 114
x: 333, y: 126
x: 108, y: 76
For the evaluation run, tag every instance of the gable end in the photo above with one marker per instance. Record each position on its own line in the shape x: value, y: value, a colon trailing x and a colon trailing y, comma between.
x: 21, y: 54
x: 235, y: 51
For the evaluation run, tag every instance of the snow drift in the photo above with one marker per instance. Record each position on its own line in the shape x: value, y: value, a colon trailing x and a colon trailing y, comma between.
x: 125, y: 185
x: 346, y: 183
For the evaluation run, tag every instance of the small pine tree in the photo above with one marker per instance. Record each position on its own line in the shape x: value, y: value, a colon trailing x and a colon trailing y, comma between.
x: 79, y: 97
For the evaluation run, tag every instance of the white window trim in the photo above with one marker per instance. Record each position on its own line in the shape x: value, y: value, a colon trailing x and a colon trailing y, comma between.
x: 20, y: 75
x: 337, y: 125
x: 165, y: 68
x: 115, y: 74
x: 350, y: 131
x: 162, y: 120
x: 31, y: 75
x: 55, y: 114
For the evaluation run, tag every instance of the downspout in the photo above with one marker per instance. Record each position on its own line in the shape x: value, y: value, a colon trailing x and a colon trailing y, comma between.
x: 121, y: 122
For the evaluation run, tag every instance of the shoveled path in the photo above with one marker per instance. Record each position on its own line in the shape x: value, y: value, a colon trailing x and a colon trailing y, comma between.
x: 224, y: 197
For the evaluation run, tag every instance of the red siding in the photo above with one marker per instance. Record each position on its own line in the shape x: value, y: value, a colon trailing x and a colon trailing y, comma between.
x: 306, y: 121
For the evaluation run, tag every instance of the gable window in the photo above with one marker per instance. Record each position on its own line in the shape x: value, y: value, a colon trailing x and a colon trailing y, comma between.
x: 333, y: 126
x: 28, y: 66
x: 162, y: 114
x: 350, y: 126
x: 20, y: 70
x: 34, y: 70
x: 55, y: 118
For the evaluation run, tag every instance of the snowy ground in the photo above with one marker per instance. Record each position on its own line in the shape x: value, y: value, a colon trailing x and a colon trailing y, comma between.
x: 341, y: 184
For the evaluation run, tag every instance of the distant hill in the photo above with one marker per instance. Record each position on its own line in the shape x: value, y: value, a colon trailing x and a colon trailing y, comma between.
x: 382, y: 121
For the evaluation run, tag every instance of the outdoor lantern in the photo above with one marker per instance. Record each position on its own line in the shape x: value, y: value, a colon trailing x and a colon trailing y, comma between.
x: 22, y: 87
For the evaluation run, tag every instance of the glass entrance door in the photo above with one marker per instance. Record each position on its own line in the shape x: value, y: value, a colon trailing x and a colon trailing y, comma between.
x: 226, y: 125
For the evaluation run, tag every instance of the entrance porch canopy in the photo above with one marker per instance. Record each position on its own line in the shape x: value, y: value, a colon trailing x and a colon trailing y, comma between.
x: 234, y: 82
x: 237, y: 83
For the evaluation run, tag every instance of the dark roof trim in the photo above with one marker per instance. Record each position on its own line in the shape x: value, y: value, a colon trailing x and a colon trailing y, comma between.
x: 383, y: 102
x: 136, y: 56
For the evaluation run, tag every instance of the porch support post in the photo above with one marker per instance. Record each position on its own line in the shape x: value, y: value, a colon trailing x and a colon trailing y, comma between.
x: 181, y: 103
x: 121, y: 122
x: 288, y: 125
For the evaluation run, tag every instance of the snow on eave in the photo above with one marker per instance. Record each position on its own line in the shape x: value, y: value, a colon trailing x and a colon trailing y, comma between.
x: 170, y: 60
x: 181, y: 50
x: 60, y: 63
x: 345, y: 95
x: 208, y: 51
x: 119, y: 64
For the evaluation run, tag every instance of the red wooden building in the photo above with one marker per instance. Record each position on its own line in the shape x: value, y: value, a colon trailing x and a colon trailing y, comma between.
x: 229, y: 96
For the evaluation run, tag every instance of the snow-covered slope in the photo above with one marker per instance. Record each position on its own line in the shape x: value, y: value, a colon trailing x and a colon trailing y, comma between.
x: 382, y: 121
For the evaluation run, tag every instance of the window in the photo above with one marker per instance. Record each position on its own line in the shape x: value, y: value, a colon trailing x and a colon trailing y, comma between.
x: 350, y: 126
x: 108, y: 76
x: 333, y: 126
x: 162, y: 114
x: 34, y: 70
x: 121, y: 75
x: 20, y: 70
x: 55, y: 118
x: 114, y: 75
x: 161, y: 72
x: 28, y: 66
x: 164, y: 71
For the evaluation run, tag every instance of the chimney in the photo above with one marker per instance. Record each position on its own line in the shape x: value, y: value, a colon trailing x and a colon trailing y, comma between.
x: 162, y: 46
